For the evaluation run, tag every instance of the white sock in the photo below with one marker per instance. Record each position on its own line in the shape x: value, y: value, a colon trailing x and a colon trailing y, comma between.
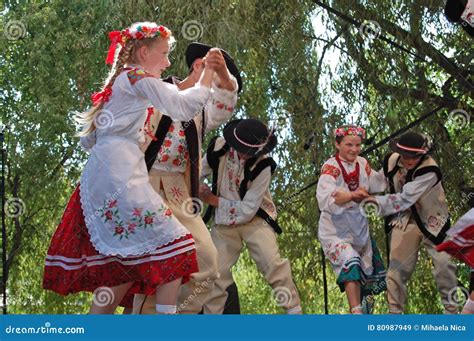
x: 295, y: 311
x: 165, y: 309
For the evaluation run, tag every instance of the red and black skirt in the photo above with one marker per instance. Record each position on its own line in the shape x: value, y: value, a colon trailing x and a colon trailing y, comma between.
x: 74, y: 265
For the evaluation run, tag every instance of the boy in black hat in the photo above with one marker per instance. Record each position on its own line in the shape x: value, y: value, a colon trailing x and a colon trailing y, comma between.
x: 418, y: 215
x: 244, y: 210
x: 173, y: 157
x: 461, y: 12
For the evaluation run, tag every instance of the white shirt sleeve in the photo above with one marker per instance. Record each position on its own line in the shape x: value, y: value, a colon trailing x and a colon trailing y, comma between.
x: 411, y: 192
x: 88, y: 141
x: 167, y: 98
x: 220, y: 106
x: 231, y: 212
x: 326, y: 187
x: 377, y: 181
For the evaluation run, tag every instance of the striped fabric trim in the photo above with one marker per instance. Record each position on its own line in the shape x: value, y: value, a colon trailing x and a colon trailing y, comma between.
x: 162, y: 250
x: 145, y: 259
x: 88, y: 261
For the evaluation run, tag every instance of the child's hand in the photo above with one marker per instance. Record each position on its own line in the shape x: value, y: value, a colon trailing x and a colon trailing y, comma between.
x: 206, y: 195
x: 360, y: 194
x: 215, y: 61
x: 341, y: 197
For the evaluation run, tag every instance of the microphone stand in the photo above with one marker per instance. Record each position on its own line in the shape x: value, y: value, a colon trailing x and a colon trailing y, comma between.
x: 4, y: 228
x: 307, y: 146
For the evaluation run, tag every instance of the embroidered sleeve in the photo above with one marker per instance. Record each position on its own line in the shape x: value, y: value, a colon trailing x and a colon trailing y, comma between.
x: 232, y: 212
x: 137, y: 74
x: 179, y: 105
x: 368, y: 169
x: 327, y: 185
x: 411, y: 192
x: 220, y: 106
x: 330, y: 170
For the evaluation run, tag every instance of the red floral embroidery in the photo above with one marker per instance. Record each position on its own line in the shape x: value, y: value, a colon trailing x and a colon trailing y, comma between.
x: 176, y: 192
x: 108, y: 215
x: 122, y: 229
x: 368, y: 169
x: 219, y: 105
x: 330, y: 170
x: 135, y: 75
x: 174, y: 147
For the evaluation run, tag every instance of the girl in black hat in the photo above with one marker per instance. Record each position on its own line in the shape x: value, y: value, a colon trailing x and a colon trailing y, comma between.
x: 244, y: 210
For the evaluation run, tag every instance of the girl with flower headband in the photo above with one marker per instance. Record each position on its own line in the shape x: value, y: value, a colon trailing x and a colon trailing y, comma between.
x: 343, y: 226
x: 117, y: 235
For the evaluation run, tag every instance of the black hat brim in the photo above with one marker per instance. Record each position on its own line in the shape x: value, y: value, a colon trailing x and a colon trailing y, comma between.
x: 198, y: 50
x: 234, y: 143
x: 393, y: 146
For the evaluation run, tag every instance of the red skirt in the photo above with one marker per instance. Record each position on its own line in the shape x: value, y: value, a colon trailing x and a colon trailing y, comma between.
x: 460, y: 245
x: 74, y: 265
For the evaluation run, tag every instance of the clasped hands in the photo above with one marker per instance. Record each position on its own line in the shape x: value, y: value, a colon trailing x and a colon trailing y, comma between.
x: 342, y: 197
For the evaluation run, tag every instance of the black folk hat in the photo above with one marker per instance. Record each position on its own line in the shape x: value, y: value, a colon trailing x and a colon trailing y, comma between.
x: 250, y: 137
x: 410, y: 144
x: 198, y: 50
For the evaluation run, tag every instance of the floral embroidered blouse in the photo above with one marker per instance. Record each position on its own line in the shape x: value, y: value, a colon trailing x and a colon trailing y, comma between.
x: 232, y: 209
x: 173, y: 155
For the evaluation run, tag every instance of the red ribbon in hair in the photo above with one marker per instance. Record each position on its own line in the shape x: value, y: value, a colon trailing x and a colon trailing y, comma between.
x: 115, y: 38
x: 104, y: 95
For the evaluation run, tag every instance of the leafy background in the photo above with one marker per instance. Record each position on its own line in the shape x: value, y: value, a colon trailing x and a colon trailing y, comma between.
x: 305, y: 71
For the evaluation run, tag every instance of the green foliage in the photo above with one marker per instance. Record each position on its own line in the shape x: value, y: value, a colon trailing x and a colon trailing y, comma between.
x: 298, y: 79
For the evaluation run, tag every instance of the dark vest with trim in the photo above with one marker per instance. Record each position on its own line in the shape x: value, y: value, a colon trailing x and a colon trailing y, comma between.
x: 252, y: 168
x: 431, y: 210
x: 192, y: 140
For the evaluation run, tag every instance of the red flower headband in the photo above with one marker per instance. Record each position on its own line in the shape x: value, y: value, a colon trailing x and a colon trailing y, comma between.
x: 350, y: 131
x: 136, y: 31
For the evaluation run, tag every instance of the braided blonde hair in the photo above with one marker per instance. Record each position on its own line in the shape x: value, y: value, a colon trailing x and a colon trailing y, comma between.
x: 125, y: 56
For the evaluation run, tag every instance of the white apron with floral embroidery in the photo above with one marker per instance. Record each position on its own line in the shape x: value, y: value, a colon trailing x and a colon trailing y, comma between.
x: 343, y: 230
